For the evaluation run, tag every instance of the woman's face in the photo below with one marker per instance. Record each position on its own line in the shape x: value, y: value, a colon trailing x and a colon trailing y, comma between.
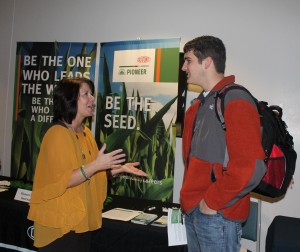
x: 86, y: 105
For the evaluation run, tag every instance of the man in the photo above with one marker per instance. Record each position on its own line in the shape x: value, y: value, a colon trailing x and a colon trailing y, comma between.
x: 215, y: 199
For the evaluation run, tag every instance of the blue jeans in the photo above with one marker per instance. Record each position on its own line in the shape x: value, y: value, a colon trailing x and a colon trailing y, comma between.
x: 212, y: 233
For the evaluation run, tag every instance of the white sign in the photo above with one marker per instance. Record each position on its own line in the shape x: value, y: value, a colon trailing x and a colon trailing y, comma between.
x: 23, y: 195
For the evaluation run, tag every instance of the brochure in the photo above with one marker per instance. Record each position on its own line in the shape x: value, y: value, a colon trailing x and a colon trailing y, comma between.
x: 161, y: 221
x: 176, y: 228
x: 144, y: 218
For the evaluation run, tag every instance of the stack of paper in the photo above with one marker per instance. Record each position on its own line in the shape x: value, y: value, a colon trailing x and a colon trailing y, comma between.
x: 121, y: 214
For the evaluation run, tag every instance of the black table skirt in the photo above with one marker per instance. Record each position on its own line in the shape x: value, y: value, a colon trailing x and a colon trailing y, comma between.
x: 16, y: 231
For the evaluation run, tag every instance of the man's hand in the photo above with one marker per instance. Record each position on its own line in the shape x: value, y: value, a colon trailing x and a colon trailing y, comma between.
x: 205, y: 209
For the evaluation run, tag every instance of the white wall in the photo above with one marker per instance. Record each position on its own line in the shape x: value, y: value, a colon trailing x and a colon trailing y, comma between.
x: 262, y: 40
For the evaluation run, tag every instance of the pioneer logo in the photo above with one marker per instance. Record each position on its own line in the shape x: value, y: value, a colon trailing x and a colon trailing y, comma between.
x: 144, y: 59
x: 30, y: 232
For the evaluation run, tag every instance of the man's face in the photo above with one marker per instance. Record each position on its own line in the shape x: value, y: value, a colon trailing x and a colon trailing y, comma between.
x: 193, y: 69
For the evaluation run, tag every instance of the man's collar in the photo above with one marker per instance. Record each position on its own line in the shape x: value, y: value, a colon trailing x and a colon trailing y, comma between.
x: 225, y: 81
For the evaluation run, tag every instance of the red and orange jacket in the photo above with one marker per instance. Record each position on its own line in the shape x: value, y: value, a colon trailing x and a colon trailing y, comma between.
x: 205, y: 144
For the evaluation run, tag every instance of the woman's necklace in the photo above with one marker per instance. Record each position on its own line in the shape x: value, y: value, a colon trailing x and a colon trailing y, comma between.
x: 83, y: 156
x: 82, y: 152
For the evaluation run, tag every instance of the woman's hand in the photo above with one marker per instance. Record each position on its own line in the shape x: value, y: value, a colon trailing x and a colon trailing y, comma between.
x: 130, y: 169
x: 108, y: 160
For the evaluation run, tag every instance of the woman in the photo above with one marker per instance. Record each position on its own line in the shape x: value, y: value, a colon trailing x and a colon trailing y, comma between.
x: 70, y: 180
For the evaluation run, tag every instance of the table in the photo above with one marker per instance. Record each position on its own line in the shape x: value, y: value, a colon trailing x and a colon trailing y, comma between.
x: 16, y: 231
x: 116, y: 236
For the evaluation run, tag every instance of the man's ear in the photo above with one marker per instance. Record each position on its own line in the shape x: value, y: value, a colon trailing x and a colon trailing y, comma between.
x: 207, y: 62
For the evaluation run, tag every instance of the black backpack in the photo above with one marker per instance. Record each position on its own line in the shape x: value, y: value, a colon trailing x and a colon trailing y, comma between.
x: 280, y: 156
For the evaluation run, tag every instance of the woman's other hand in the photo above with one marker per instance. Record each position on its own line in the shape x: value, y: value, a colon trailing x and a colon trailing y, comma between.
x: 129, y: 168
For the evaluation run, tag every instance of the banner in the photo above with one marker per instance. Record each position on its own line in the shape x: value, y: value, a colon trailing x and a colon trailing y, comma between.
x: 39, y: 66
x: 136, y: 111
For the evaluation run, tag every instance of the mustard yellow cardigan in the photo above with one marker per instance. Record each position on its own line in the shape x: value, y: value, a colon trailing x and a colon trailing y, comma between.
x: 54, y: 208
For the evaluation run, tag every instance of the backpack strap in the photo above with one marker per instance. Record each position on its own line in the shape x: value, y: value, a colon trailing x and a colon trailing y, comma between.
x: 220, y: 107
x: 220, y: 98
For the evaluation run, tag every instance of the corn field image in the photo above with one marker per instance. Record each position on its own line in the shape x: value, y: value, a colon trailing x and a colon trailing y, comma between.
x: 143, y: 134
x: 39, y: 66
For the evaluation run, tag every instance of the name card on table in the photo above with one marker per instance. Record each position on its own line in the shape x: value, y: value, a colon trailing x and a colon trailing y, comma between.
x: 23, y: 195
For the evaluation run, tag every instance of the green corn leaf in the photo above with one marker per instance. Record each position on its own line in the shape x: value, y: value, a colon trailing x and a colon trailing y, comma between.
x: 156, y: 191
x: 17, y: 140
x: 116, y: 139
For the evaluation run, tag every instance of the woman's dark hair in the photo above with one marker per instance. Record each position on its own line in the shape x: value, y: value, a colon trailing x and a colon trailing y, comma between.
x: 208, y: 46
x: 65, y: 97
